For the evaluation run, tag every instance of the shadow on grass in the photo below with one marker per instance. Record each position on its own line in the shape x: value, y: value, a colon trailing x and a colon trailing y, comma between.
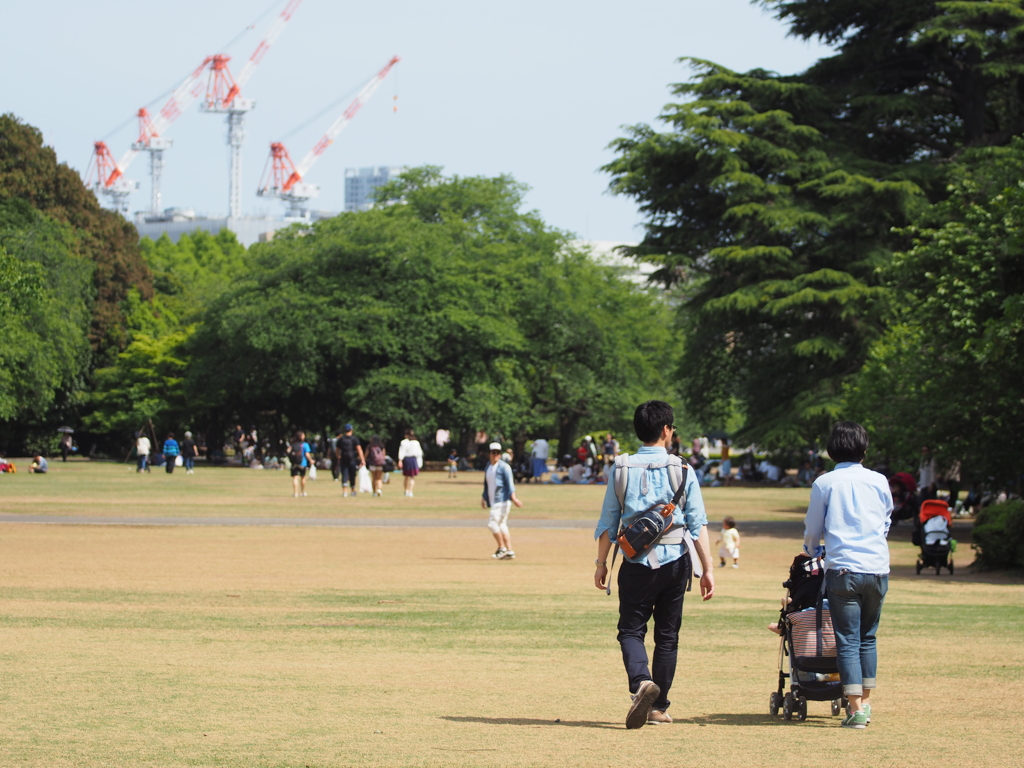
x: 963, y: 573
x: 529, y: 721
x: 748, y: 719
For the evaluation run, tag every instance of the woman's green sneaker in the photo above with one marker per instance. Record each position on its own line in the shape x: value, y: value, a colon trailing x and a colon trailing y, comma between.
x: 867, y: 712
x: 856, y: 720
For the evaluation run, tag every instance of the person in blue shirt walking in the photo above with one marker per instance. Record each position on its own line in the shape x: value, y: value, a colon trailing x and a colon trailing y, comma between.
x: 499, y: 495
x: 171, y: 451
x: 653, y: 584
x: 301, y: 456
x: 851, y: 508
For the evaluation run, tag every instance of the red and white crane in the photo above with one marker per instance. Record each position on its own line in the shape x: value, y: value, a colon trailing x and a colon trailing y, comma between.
x: 106, y: 176
x: 284, y: 180
x: 223, y: 95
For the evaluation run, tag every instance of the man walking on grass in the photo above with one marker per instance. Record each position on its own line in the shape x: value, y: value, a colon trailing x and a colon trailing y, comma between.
x: 653, y: 584
x: 499, y: 495
x: 349, y: 457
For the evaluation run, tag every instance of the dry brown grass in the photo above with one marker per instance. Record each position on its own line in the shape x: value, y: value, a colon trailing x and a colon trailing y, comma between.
x: 186, y: 646
x: 299, y: 646
x: 105, y: 489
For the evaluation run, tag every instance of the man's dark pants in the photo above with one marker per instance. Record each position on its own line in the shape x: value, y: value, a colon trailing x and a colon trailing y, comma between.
x: 644, y: 592
x: 348, y: 473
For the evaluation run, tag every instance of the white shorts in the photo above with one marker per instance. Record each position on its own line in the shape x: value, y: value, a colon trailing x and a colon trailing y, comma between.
x: 726, y: 552
x: 499, y: 517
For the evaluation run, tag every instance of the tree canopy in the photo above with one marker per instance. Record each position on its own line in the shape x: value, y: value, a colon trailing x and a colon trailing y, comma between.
x: 29, y: 173
x: 45, y: 307
x: 773, y: 204
x: 948, y: 372
x: 445, y: 306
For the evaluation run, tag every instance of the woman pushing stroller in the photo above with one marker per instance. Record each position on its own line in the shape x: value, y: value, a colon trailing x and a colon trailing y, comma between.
x: 851, y: 508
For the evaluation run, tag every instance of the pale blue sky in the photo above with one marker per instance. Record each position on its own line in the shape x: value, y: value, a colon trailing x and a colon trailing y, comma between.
x: 534, y: 89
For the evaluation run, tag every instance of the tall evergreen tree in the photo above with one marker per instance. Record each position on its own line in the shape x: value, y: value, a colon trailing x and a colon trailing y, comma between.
x: 771, y: 201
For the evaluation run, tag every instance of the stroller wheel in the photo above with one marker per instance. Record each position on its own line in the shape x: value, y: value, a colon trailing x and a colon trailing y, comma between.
x: 920, y: 565
x: 938, y: 569
x: 837, y: 707
x: 774, y: 704
x: 951, y: 567
x: 787, y: 707
x: 801, y: 713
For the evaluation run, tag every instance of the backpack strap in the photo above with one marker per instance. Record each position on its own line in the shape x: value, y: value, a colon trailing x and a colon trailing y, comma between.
x: 676, y: 474
x: 676, y: 479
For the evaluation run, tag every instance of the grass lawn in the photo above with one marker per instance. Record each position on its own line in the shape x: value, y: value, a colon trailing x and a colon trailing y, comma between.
x: 107, y: 489
x: 288, y: 646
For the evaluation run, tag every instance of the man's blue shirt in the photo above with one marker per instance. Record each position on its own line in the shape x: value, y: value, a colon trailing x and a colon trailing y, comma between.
x: 851, y: 506
x: 504, y: 484
x: 659, y: 491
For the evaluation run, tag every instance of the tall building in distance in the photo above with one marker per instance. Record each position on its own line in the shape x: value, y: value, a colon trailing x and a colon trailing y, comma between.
x: 360, y: 183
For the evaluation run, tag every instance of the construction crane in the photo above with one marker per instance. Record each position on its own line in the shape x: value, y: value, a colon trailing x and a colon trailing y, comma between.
x: 223, y: 96
x: 103, y: 177
x: 284, y: 180
x: 106, y: 176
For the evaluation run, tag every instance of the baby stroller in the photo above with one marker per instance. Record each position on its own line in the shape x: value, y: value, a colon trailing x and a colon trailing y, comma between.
x: 809, y: 642
x: 932, y: 534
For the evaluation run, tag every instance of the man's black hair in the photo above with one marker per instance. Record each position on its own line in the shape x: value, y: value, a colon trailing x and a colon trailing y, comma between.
x: 848, y: 442
x: 649, y: 418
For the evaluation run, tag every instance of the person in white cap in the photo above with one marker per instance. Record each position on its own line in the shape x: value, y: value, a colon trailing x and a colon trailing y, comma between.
x: 499, y: 495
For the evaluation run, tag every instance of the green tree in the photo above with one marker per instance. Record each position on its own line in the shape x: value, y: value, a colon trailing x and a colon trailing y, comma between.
x: 29, y: 172
x: 948, y: 373
x: 447, y: 306
x: 916, y: 80
x: 771, y: 201
x: 772, y: 243
x: 45, y: 301
x: 146, y: 382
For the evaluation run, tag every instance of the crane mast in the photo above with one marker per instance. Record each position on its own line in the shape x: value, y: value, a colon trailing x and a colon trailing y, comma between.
x: 223, y: 96
x: 283, y: 180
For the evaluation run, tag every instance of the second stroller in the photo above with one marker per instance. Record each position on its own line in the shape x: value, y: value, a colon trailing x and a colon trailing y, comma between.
x: 932, y: 534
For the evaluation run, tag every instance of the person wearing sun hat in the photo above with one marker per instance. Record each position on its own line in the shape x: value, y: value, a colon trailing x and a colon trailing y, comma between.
x: 499, y: 495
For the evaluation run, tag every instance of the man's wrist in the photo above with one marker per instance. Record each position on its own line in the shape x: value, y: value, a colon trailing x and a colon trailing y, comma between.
x: 600, y: 562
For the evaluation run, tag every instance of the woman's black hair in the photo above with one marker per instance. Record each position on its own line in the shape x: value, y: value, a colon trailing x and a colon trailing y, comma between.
x: 649, y: 418
x: 848, y: 442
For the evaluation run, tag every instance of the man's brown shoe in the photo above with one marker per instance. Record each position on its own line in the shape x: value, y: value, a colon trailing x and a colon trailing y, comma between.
x: 657, y: 717
x: 641, y: 707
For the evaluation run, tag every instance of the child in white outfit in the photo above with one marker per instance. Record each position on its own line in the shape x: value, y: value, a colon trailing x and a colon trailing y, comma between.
x: 729, y: 541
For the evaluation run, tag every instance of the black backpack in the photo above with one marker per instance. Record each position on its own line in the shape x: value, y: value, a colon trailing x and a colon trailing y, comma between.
x: 347, y: 448
x: 296, y: 455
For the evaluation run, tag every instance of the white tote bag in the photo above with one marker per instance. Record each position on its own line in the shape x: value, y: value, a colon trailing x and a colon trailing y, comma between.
x: 365, y: 484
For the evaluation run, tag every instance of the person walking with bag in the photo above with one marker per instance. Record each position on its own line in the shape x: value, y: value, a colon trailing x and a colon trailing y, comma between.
x: 851, y: 508
x: 653, y: 583
x: 410, y: 457
x: 349, y: 456
x: 375, y: 459
x: 171, y: 452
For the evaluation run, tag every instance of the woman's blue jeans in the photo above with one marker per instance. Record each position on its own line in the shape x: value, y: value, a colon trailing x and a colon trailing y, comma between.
x: 855, y: 603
